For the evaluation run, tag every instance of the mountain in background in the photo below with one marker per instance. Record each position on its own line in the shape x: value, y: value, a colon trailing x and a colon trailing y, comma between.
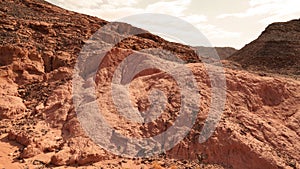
x: 276, y: 50
x: 223, y: 52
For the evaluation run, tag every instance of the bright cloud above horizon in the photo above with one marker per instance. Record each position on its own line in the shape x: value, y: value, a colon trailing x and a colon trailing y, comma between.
x: 231, y: 23
x: 272, y: 10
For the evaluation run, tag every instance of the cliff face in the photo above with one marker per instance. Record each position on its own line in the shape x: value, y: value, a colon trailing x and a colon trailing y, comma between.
x: 39, y: 126
x: 276, y: 50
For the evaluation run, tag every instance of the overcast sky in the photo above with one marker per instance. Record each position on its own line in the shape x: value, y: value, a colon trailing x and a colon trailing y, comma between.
x: 224, y: 22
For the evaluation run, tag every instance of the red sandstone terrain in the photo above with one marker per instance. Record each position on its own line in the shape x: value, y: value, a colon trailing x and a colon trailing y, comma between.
x: 39, y: 127
x: 276, y: 50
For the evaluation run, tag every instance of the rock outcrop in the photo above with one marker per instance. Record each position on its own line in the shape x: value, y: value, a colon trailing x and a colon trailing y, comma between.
x: 276, y: 50
x: 38, y: 122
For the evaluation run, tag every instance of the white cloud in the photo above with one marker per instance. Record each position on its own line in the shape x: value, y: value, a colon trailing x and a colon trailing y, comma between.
x: 194, y: 19
x: 92, y: 4
x: 214, y: 32
x: 115, y: 9
x: 121, y: 3
x: 174, y: 8
x: 112, y: 10
x: 76, y: 4
x: 273, y: 10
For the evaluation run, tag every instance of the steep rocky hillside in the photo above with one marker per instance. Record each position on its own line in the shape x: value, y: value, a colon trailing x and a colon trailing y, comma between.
x: 276, y: 50
x: 39, y: 126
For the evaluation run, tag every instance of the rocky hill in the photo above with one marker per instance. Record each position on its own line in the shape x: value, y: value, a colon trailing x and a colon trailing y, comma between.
x: 39, y: 126
x: 223, y: 52
x: 276, y: 50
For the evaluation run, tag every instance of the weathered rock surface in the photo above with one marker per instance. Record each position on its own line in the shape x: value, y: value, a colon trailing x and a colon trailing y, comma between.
x: 39, y: 126
x: 276, y: 50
